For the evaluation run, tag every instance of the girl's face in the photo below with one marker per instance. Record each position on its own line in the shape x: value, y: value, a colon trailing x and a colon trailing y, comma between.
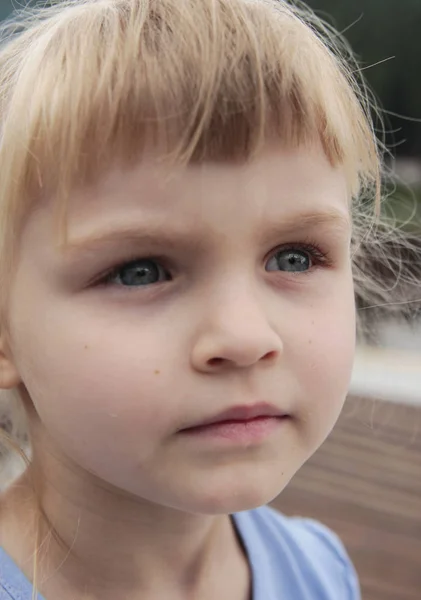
x: 177, y: 298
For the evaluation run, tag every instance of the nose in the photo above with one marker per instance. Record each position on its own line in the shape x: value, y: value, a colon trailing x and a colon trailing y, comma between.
x: 235, y: 333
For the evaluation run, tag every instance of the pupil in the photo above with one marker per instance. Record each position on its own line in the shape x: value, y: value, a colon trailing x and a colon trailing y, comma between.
x: 293, y: 261
x: 140, y: 273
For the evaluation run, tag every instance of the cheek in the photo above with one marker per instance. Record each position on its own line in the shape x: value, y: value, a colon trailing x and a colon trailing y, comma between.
x: 94, y: 380
x: 331, y: 347
x: 325, y: 357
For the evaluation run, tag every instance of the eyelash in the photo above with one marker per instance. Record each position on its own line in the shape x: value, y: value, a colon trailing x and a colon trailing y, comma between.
x: 319, y: 258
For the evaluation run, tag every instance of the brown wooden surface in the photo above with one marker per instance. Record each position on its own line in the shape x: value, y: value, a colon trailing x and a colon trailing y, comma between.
x: 365, y: 483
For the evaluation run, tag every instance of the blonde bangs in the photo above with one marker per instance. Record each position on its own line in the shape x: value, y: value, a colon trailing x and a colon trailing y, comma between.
x: 201, y: 79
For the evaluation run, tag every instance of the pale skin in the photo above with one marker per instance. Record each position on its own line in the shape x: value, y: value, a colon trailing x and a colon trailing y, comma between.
x: 111, y: 373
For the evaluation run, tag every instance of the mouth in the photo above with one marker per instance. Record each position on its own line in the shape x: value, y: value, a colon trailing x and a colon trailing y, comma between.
x: 243, y: 414
x: 244, y: 424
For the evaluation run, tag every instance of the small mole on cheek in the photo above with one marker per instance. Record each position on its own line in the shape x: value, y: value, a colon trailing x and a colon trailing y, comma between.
x: 157, y: 371
x: 86, y: 346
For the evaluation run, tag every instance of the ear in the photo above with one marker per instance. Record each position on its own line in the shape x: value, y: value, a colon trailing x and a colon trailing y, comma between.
x: 9, y: 376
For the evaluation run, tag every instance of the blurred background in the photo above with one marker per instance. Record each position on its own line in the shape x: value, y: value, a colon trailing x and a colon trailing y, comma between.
x: 385, y: 36
x: 365, y: 482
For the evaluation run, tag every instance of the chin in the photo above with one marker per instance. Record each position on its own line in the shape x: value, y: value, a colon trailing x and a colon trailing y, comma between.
x: 237, y: 498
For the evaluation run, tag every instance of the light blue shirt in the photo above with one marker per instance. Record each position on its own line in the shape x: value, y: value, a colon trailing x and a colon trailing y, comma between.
x: 290, y: 559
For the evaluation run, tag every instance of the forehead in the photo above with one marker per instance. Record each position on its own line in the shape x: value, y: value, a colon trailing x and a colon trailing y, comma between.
x: 279, y: 181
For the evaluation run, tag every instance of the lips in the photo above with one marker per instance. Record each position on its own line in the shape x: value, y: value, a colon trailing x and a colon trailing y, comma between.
x: 242, y: 413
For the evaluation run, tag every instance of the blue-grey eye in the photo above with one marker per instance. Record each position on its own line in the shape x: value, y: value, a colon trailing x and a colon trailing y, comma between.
x: 136, y: 273
x: 291, y: 261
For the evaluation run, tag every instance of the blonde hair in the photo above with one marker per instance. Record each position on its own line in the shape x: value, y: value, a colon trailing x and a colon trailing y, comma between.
x: 86, y: 82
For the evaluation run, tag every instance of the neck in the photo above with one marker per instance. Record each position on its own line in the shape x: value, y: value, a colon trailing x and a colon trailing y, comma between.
x: 113, y: 545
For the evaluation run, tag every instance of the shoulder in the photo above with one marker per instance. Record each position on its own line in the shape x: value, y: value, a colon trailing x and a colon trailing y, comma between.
x: 302, y: 552
x: 13, y: 583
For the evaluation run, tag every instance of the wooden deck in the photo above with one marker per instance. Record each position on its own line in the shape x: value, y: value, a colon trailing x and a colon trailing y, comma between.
x: 365, y: 483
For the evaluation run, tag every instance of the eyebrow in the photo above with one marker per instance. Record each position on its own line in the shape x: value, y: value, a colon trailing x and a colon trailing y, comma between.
x: 152, y: 234
x: 332, y: 219
x: 146, y: 234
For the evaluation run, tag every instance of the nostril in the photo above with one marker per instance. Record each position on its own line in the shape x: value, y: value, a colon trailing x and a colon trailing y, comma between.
x: 270, y: 355
x: 215, y: 362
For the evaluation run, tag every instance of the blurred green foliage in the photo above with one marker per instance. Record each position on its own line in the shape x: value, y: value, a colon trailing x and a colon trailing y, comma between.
x: 403, y: 204
x: 389, y: 31
x: 385, y: 36
x: 6, y: 7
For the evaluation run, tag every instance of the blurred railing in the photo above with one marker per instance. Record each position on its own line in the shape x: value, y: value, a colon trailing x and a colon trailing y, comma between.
x: 390, y: 374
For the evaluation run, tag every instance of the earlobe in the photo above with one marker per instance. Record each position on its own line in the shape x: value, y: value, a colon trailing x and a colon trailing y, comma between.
x: 9, y: 376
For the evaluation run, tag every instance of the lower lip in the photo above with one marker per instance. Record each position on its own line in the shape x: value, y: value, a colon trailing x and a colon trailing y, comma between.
x: 244, y: 432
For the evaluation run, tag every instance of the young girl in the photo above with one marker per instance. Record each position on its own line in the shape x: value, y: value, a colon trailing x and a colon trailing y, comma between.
x: 179, y: 179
